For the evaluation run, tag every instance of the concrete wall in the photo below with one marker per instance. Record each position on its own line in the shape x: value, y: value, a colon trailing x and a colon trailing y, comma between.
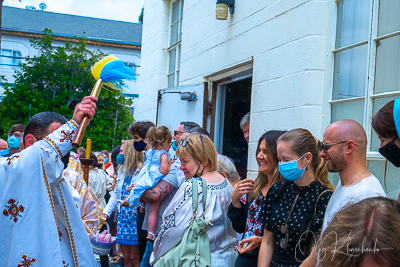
x: 286, y: 41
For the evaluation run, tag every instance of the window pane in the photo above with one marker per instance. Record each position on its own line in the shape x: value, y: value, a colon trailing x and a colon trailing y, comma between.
x: 172, y: 60
x: 377, y: 104
x: 350, y: 75
x: 392, y: 176
x: 174, y: 33
x: 387, y: 67
x: 6, y: 60
x: 16, y: 60
x: 353, y: 22
x: 171, y: 79
x: 175, y: 11
x: 388, y: 17
x: 353, y: 110
x: 179, y: 57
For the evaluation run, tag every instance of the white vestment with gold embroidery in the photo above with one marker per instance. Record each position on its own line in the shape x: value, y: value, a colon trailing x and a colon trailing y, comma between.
x: 40, y: 222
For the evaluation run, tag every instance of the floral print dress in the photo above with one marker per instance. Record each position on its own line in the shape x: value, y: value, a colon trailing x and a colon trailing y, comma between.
x: 253, y: 226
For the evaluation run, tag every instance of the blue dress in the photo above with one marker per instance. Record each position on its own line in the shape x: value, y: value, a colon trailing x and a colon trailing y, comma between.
x: 126, y: 226
x: 149, y: 175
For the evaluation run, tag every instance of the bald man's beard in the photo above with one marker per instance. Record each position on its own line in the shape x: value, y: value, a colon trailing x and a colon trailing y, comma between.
x: 338, y: 163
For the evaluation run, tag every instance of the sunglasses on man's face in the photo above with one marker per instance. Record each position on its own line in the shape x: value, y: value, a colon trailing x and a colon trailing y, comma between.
x: 325, y: 147
x: 177, y: 132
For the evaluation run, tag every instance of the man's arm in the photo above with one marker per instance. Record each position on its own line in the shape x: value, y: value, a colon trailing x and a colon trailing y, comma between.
x: 158, y: 193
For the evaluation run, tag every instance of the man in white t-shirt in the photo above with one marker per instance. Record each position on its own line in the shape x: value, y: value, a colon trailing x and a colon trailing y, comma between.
x: 344, y: 149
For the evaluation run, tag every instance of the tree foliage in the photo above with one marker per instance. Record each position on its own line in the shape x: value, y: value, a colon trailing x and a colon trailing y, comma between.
x: 56, y: 80
x: 141, y: 16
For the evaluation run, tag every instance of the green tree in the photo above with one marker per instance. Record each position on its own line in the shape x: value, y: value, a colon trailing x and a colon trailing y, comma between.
x: 141, y: 16
x: 56, y: 80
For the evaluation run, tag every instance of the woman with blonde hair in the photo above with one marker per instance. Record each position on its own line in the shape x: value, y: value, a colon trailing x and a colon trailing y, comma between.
x: 293, y: 210
x: 199, y: 159
x: 364, y: 234
x: 247, y: 199
x: 130, y: 162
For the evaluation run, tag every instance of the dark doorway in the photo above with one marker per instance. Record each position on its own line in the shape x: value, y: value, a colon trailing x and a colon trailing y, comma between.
x: 237, y: 104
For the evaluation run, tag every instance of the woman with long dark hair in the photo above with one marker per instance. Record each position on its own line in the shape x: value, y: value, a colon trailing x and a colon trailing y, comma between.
x: 247, y: 199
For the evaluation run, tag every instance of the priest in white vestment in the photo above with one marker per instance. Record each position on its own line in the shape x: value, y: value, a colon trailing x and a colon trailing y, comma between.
x: 40, y: 222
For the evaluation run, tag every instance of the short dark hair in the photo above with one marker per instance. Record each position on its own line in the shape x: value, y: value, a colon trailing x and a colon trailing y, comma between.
x: 383, y: 121
x: 81, y: 149
x: 16, y: 128
x: 140, y: 128
x: 114, y: 155
x: 39, y: 124
x: 199, y: 130
x: 187, y: 125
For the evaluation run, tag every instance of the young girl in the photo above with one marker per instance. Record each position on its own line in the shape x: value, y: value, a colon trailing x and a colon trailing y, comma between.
x: 156, y: 165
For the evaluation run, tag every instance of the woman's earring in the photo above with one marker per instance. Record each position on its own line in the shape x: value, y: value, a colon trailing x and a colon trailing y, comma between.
x: 307, y: 168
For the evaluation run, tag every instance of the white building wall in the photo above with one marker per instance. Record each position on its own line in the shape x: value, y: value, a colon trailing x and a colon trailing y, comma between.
x: 22, y: 44
x: 286, y: 40
x: 154, y: 58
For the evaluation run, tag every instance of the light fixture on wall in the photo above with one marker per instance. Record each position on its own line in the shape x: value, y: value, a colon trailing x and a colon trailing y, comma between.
x: 188, y: 96
x: 221, y: 11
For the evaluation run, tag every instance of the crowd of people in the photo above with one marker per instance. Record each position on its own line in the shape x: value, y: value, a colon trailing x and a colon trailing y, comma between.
x: 144, y: 190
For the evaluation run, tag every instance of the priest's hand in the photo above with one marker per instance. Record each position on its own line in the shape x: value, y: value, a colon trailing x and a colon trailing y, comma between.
x: 86, y: 107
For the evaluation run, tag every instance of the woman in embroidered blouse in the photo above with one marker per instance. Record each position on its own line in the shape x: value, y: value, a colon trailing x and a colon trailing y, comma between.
x: 130, y: 163
x: 247, y: 199
x: 198, y: 158
x: 293, y: 210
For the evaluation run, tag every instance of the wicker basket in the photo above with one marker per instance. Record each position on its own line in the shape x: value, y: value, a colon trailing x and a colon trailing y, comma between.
x: 102, y: 248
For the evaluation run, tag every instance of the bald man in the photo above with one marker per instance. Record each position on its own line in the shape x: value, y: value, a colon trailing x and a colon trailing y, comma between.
x: 344, y: 149
x: 3, y: 144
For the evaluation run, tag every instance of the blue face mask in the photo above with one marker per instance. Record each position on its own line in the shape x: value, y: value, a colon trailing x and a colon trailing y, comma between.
x: 13, y: 142
x: 290, y: 171
x: 120, y: 159
x: 105, y: 160
x: 174, y: 147
x: 139, y: 145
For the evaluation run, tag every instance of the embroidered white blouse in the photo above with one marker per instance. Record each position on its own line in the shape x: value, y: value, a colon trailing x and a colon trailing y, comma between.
x: 178, y: 214
x: 98, y: 181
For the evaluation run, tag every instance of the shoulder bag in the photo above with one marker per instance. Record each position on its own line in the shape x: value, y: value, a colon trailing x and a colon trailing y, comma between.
x: 194, y: 248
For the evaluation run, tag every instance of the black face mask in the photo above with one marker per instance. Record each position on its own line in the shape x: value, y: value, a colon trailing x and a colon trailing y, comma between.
x: 99, y: 166
x: 391, y: 152
x: 139, y: 145
x: 65, y: 160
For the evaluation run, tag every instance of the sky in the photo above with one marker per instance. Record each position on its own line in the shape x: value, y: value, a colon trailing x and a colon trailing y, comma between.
x: 121, y: 10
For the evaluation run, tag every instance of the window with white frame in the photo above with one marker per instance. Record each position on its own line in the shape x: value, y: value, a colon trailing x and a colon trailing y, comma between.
x: 366, y: 73
x: 10, y: 57
x: 174, y: 49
